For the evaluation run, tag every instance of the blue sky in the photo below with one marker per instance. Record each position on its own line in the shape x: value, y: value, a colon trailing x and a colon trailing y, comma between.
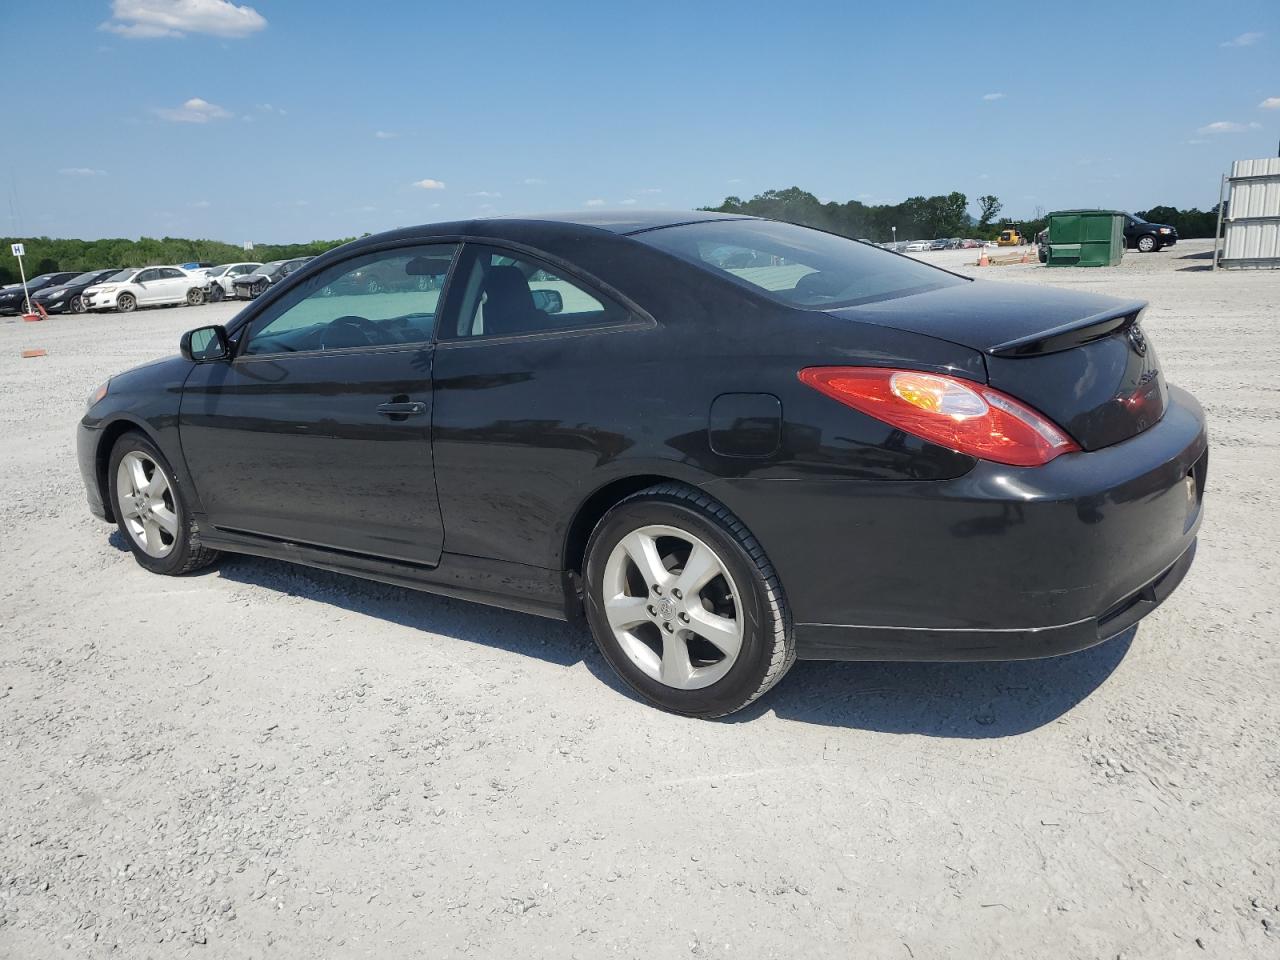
x: 308, y: 119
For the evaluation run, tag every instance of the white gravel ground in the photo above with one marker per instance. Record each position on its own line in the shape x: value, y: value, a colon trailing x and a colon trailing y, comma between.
x: 267, y: 761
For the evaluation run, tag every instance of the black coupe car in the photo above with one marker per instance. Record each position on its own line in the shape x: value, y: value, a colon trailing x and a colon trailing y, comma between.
x: 829, y: 452
x: 65, y: 297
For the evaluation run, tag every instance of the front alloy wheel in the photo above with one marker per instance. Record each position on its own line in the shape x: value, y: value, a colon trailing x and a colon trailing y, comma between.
x: 77, y: 305
x: 1146, y: 243
x: 126, y: 302
x: 149, y: 509
x: 144, y: 498
x: 684, y: 604
x: 195, y: 297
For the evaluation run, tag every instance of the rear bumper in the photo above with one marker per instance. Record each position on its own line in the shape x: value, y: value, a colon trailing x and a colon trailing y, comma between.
x: 829, y: 641
x: 1001, y: 563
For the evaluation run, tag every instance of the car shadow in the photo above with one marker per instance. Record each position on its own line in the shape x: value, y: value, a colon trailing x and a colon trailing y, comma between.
x: 958, y: 700
x: 955, y: 700
x: 514, y: 632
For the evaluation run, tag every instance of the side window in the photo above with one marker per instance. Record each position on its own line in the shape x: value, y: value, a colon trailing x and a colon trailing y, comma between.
x: 145, y: 276
x: 378, y: 299
x: 506, y: 294
x: 169, y: 273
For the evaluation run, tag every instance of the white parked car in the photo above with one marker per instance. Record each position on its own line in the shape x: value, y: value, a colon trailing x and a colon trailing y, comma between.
x: 223, y: 278
x: 145, y: 287
x: 917, y: 246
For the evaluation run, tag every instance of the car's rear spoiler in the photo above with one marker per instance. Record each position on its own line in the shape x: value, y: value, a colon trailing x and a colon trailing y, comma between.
x: 1073, y: 334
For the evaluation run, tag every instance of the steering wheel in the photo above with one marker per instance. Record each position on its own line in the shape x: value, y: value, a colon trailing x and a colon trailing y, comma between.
x: 350, y: 326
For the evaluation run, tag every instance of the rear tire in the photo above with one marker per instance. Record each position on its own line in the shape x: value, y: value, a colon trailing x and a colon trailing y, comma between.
x: 126, y: 303
x: 151, y: 511
x: 706, y: 650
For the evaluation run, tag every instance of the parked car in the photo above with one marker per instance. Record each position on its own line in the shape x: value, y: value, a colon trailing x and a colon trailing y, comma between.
x: 195, y: 265
x: 1010, y: 238
x: 145, y: 287
x: 939, y: 244
x: 13, y: 298
x: 222, y: 278
x: 964, y: 470
x: 918, y: 246
x: 251, y: 285
x: 377, y: 278
x: 970, y: 244
x: 66, y: 296
x: 1147, y: 237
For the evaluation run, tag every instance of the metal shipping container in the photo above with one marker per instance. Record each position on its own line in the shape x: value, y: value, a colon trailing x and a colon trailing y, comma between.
x: 1252, y: 218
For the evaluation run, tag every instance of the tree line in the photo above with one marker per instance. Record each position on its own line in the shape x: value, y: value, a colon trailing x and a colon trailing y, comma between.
x: 46, y: 255
x: 927, y: 218
x: 916, y: 218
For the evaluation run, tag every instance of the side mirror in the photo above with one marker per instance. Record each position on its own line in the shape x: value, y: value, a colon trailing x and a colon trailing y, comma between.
x: 204, y: 344
x: 548, y: 301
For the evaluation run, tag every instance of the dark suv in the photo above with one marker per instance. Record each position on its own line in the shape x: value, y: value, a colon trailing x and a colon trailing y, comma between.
x: 1147, y: 237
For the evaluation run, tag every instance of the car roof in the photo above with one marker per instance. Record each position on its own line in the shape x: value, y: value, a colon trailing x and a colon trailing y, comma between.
x: 621, y: 223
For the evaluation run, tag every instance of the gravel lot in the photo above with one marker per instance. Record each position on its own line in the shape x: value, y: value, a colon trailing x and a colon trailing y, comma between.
x: 263, y: 760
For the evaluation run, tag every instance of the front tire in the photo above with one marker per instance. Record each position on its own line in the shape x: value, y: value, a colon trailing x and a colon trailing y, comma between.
x: 684, y: 604
x: 1148, y: 244
x: 77, y: 305
x: 126, y: 303
x: 150, y: 510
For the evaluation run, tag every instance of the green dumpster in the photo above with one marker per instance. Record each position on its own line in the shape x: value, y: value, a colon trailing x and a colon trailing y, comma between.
x: 1085, y: 238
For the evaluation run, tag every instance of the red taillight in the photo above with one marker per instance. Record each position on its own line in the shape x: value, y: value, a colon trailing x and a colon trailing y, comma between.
x: 967, y: 417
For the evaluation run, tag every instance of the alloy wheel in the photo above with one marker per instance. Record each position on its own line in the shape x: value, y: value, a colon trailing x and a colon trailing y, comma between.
x: 673, y: 607
x: 77, y: 305
x: 144, y: 498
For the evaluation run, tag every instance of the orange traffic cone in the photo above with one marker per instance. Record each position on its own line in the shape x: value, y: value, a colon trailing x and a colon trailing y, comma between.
x: 983, y: 261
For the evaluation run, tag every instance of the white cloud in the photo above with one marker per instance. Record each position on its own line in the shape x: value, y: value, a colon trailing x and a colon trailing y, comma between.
x: 594, y: 203
x: 147, y: 19
x: 993, y: 96
x: 1228, y: 126
x: 534, y: 181
x: 1271, y: 103
x: 428, y: 184
x: 268, y: 108
x: 194, y: 110
x: 485, y: 194
x: 1244, y: 40
x: 629, y: 202
x: 82, y: 172
x: 386, y: 134
x: 202, y: 204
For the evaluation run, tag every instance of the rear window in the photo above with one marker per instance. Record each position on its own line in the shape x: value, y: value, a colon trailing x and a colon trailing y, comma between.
x: 796, y: 265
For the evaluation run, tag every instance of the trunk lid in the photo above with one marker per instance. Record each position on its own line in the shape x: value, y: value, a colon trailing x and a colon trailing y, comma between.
x: 1081, y: 359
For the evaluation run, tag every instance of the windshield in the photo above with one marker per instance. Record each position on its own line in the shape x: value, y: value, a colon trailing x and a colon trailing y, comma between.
x: 85, y: 277
x: 796, y: 265
x: 122, y: 276
x: 1136, y: 219
x: 219, y: 271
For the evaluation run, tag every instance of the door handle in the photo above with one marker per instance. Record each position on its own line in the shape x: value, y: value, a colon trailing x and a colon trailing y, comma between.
x: 413, y: 408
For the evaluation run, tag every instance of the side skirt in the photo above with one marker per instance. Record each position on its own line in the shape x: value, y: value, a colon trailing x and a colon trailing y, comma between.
x: 498, y: 583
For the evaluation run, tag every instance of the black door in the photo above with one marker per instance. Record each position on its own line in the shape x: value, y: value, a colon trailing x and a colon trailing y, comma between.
x: 319, y: 430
